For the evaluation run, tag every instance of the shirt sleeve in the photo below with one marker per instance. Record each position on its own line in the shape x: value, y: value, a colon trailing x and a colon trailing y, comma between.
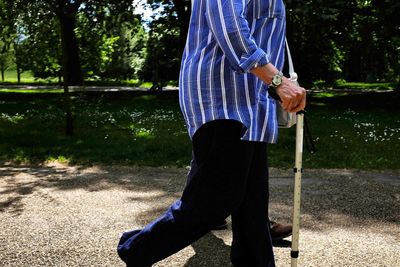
x: 230, y: 28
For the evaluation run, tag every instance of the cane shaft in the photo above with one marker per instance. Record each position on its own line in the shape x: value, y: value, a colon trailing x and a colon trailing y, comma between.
x: 297, y: 189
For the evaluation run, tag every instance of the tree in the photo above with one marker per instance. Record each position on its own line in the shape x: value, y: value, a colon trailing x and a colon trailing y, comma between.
x: 112, y: 43
x: 179, y: 9
x: 5, y: 56
x: 163, y: 55
x: 33, y: 13
x: 6, y: 38
x: 129, y: 52
x: 355, y: 40
x: 64, y: 15
x: 166, y: 31
x: 183, y: 9
x: 388, y: 25
x: 42, y: 55
x: 313, y: 28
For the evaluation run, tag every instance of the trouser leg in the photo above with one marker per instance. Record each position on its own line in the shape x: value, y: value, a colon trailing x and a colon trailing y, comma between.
x: 215, y: 188
x: 252, y: 245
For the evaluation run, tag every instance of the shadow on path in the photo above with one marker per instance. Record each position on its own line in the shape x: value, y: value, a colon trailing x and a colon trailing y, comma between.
x: 211, y: 251
x: 283, y: 243
x: 329, y: 197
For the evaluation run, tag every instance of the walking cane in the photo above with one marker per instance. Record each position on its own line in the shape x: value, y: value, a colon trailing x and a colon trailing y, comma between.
x: 294, y: 253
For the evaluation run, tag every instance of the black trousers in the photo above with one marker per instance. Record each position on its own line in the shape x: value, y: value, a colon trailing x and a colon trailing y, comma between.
x: 228, y: 176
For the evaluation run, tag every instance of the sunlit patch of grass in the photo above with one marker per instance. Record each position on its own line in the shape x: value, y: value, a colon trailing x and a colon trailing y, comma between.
x: 318, y: 104
x: 146, y: 84
x: 144, y: 133
x: 365, y: 86
x: 10, y: 77
x: 328, y: 94
x: 27, y: 78
x: 31, y: 91
x: 59, y: 158
x: 15, y: 118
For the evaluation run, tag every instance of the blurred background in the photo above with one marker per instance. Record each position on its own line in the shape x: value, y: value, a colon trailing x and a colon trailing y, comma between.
x: 95, y: 82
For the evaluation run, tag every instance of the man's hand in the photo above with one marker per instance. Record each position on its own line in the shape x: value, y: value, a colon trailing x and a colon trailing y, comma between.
x: 293, y: 97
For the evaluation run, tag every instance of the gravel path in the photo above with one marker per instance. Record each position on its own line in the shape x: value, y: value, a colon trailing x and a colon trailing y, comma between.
x: 57, y: 215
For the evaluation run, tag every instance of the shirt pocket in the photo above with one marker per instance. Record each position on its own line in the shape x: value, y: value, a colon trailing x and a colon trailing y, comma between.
x: 268, y: 9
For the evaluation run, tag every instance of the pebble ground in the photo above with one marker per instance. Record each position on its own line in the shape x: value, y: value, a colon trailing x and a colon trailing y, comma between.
x: 59, y: 215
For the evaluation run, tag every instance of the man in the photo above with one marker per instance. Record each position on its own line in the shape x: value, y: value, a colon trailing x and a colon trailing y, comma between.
x: 234, y: 50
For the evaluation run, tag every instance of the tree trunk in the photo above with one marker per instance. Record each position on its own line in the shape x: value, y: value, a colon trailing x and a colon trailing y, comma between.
x: 2, y: 72
x: 354, y: 65
x: 71, y: 68
x: 18, y: 74
x: 183, y: 10
x: 70, y: 49
x: 69, y: 129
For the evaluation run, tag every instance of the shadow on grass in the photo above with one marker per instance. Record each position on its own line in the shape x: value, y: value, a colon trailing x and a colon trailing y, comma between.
x: 360, y: 100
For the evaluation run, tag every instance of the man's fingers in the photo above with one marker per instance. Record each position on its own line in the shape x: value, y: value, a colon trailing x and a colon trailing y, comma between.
x: 297, y: 109
x: 301, y: 105
x: 293, y: 97
x: 297, y: 104
x: 285, y: 103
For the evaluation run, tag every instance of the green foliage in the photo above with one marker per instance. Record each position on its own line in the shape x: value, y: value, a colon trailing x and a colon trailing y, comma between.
x: 129, y: 50
x: 106, y: 32
x: 41, y: 50
x: 355, y: 40
x: 6, y: 56
x: 167, y: 37
x: 163, y: 55
x: 6, y: 38
x: 106, y: 50
x: 112, y: 43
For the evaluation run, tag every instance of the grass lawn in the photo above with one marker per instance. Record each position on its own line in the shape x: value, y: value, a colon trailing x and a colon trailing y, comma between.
x: 27, y: 78
x: 350, y: 131
x: 365, y: 86
x: 10, y: 76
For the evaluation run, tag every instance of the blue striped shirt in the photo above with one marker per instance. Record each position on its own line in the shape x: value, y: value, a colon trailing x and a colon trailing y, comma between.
x: 226, y: 39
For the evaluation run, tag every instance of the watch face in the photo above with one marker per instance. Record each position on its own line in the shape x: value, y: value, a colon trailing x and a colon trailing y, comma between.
x: 277, y: 80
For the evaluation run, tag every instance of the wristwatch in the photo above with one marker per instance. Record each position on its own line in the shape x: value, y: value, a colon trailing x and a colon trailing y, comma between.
x: 276, y: 80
